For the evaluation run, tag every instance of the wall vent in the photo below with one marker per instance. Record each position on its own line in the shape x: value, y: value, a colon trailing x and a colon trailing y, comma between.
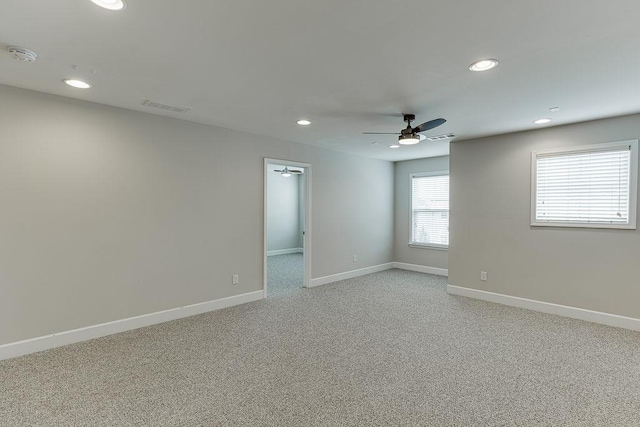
x: 441, y: 137
x: 165, y: 107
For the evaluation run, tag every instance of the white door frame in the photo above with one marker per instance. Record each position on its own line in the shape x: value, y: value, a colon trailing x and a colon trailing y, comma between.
x: 306, y: 238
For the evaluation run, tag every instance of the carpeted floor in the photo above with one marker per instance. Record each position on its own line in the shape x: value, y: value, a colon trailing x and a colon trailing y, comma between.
x: 391, y: 348
x: 284, y: 274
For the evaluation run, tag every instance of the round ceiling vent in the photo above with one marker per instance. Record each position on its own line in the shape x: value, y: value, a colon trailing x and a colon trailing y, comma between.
x: 23, y: 55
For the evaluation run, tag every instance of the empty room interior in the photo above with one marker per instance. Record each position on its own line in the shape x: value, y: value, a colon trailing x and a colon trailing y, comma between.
x: 330, y: 213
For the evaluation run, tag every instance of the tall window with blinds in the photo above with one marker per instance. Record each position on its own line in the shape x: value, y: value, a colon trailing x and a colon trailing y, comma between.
x: 430, y: 209
x: 588, y: 186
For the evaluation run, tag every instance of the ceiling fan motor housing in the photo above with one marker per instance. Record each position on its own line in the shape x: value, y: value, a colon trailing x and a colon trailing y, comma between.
x: 408, y: 132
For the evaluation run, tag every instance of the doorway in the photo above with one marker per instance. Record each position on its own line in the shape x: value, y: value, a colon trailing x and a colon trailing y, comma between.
x: 287, y: 227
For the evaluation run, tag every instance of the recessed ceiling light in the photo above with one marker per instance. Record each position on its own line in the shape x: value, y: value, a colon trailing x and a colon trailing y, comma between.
x: 483, y: 65
x: 394, y: 146
x: 303, y: 122
x: 79, y: 84
x: 542, y: 121
x: 111, y: 4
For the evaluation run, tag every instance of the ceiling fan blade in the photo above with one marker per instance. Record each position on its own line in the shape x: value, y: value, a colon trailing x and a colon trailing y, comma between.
x: 275, y: 170
x: 381, y: 133
x: 429, y: 125
x: 294, y: 171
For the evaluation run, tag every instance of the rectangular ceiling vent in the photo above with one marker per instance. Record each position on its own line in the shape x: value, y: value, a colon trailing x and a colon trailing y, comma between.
x: 441, y: 137
x: 165, y: 107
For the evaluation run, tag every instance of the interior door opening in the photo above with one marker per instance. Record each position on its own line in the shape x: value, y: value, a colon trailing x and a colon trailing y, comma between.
x: 287, y: 237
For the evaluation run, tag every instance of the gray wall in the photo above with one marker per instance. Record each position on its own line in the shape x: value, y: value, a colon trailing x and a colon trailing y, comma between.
x: 403, y: 252
x: 108, y: 213
x: 283, y: 211
x: 490, y: 216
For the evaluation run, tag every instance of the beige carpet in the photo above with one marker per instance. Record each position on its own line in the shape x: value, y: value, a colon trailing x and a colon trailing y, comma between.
x: 391, y: 348
x: 285, y: 274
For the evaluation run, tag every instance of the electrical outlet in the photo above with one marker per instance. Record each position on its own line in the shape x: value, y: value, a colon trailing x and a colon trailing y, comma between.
x: 355, y: 258
x: 235, y: 279
x: 483, y: 276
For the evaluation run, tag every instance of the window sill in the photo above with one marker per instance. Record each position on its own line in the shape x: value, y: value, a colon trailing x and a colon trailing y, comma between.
x: 584, y: 225
x: 423, y: 246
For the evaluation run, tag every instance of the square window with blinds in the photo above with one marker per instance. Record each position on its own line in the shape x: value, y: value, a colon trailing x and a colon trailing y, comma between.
x: 430, y: 209
x: 588, y: 186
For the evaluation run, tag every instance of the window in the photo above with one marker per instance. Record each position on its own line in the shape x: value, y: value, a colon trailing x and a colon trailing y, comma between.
x: 588, y: 186
x: 430, y: 209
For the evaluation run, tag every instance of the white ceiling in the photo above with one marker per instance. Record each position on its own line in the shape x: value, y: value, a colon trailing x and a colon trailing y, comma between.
x: 347, y: 65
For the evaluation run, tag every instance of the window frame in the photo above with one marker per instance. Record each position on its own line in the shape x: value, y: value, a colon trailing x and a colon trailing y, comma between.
x: 421, y: 245
x: 633, y: 184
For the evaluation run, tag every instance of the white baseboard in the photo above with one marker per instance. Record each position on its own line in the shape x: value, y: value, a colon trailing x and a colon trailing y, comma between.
x: 285, y: 251
x: 47, y: 342
x: 421, y: 268
x: 349, y: 274
x: 547, y: 307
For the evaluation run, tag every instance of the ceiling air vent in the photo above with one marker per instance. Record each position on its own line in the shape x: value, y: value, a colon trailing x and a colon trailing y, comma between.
x: 441, y: 137
x: 165, y: 107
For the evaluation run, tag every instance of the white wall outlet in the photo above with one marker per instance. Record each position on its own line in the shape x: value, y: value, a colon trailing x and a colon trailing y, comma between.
x: 235, y: 279
x: 355, y: 258
x: 483, y: 276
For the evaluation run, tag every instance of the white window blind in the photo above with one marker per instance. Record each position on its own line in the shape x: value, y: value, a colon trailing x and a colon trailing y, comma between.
x: 591, y: 187
x: 430, y: 210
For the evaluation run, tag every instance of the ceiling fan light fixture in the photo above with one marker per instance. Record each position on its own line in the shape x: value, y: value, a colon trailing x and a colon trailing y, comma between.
x: 408, y: 139
x: 484, y: 64
x: 286, y: 172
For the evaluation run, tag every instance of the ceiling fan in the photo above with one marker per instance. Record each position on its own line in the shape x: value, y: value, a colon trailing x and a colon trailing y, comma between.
x: 409, y: 135
x: 286, y: 172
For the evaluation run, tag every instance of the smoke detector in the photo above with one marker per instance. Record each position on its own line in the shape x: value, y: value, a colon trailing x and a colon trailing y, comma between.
x: 22, y: 55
